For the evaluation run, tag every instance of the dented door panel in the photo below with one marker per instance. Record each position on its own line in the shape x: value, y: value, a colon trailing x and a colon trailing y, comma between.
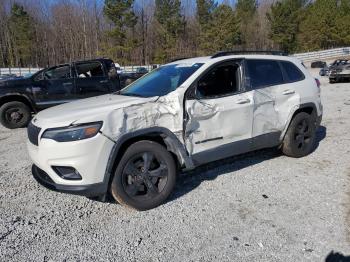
x: 272, y: 106
x: 215, y: 122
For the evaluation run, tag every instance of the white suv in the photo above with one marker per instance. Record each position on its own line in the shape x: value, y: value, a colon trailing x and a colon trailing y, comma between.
x: 181, y: 115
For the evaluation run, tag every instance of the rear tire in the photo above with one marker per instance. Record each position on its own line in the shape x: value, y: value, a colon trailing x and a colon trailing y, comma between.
x: 144, y: 177
x: 299, y: 140
x: 15, y: 115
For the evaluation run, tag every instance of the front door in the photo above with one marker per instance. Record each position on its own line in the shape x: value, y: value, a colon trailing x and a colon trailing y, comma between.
x: 220, y: 115
x: 54, y: 86
x: 91, y: 80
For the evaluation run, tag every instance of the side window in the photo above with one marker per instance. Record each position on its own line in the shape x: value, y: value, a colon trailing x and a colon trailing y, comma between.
x: 293, y: 73
x: 220, y: 81
x: 264, y: 73
x: 39, y: 77
x: 58, y: 72
x: 89, y: 70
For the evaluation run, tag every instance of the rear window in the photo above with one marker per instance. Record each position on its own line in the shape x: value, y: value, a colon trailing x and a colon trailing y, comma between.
x: 264, y: 73
x: 293, y: 73
x: 89, y: 70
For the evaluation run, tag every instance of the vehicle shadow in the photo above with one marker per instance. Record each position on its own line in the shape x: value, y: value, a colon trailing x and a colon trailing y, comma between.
x: 190, y: 180
x: 337, y: 257
x: 321, y: 134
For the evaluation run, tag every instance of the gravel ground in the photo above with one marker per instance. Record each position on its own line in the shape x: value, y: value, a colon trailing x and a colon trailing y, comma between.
x: 262, y: 206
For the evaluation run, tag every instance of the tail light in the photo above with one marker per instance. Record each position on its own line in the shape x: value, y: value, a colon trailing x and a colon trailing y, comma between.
x: 318, y: 83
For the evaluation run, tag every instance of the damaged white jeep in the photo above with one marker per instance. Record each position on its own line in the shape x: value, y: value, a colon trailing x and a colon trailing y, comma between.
x: 181, y: 115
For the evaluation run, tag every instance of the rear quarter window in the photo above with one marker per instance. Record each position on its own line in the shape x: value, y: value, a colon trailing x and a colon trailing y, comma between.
x: 293, y: 73
x: 264, y: 73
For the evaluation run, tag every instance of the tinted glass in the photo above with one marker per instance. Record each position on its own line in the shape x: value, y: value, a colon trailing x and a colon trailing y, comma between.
x: 293, y: 73
x: 264, y: 73
x: 161, y: 81
x: 88, y: 70
x: 59, y: 72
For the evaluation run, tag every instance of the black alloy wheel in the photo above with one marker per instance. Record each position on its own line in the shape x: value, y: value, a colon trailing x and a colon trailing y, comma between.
x: 300, y: 138
x: 302, y: 134
x: 145, y: 176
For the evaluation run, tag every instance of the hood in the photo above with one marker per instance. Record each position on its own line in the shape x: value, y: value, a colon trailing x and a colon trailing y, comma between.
x: 85, y: 110
x: 15, y: 82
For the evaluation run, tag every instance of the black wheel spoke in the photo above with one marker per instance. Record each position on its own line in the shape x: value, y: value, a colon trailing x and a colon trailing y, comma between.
x: 151, y: 188
x: 308, y: 133
x: 159, y: 172
x: 304, y: 126
x: 132, y: 189
x: 300, y: 139
x: 131, y: 169
x: 147, y: 158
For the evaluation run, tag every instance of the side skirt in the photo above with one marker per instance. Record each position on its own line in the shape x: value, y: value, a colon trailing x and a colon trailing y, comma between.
x: 237, y: 148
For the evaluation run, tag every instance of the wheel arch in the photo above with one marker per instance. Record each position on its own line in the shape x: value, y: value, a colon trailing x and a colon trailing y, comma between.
x: 17, y: 98
x: 160, y: 135
x: 309, y: 108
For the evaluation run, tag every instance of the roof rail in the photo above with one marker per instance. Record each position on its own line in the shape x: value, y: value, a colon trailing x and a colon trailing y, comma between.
x: 177, y: 59
x: 266, y: 52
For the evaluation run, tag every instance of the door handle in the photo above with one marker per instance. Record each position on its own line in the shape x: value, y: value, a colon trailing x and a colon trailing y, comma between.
x: 103, y: 81
x: 243, y: 101
x: 288, y: 92
x: 67, y: 84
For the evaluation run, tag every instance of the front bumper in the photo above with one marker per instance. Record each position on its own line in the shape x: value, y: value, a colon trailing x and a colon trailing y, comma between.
x: 84, y: 190
x: 89, y: 157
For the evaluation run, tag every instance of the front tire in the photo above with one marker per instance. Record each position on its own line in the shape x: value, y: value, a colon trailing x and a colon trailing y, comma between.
x: 299, y: 140
x: 144, y: 177
x: 14, y: 115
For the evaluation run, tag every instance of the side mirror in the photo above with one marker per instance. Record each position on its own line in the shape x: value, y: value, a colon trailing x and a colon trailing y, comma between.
x: 112, y: 73
x: 39, y: 77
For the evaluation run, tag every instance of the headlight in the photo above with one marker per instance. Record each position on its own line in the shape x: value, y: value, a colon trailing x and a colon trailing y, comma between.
x: 73, y: 133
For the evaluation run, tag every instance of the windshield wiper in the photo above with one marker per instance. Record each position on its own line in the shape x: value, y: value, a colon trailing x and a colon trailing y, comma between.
x: 130, y: 94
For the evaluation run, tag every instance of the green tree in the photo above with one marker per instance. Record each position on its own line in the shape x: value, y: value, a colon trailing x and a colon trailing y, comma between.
x: 284, y: 18
x: 223, y: 31
x: 22, y: 35
x: 319, y: 29
x: 342, y: 22
x: 205, y: 8
x: 246, y: 13
x: 246, y: 9
x: 123, y: 18
x: 170, y: 25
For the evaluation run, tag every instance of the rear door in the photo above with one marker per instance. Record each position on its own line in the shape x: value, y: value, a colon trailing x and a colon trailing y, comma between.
x: 54, y: 86
x: 91, y: 79
x: 274, y: 97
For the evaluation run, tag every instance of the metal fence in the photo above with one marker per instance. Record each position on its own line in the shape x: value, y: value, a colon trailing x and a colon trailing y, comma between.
x: 306, y: 57
x: 30, y: 70
x: 324, y: 54
x: 18, y: 71
x: 133, y: 68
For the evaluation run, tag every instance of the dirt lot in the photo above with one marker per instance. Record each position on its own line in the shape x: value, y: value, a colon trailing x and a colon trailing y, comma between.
x: 259, y: 207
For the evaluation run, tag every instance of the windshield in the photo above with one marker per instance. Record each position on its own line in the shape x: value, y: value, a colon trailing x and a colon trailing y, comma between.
x: 161, y: 81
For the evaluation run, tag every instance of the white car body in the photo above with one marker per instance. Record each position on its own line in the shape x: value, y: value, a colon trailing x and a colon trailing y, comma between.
x: 251, y: 116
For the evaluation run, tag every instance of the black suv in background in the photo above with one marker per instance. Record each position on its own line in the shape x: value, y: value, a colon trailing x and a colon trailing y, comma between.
x: 19, y: 98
